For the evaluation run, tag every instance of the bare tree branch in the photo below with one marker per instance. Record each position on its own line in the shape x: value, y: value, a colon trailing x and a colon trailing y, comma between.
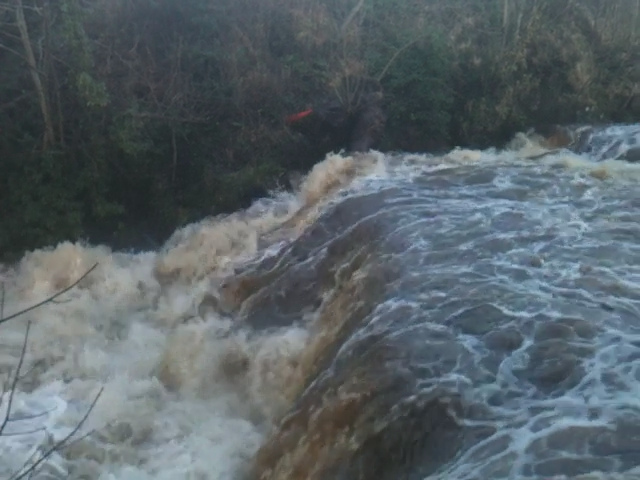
x: 396, y: 54
x: 16, y: 377
x: 8, y: 6
x: 15, y: 52
x: 48, y: 300
x: 351, y: 16
x: 58, y: 445
x: 30, y: 466
x: 10, y: 104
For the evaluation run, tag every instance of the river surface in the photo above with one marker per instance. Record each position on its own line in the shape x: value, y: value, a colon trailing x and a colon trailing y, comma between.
x: 401, y: 316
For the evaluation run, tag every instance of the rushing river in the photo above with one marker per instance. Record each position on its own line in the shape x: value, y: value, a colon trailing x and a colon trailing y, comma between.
x: 468, y: 316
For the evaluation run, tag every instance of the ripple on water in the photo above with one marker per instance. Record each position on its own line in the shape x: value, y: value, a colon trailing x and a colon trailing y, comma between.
x: 476, y: 317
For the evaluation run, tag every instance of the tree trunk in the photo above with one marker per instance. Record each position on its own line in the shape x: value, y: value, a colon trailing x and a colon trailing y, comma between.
x: 635, y: 26
x: 505, y: 22
x: 35, y: 75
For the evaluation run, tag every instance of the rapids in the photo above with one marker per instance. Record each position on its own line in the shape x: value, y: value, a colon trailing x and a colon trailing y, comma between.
x: 400, y: 316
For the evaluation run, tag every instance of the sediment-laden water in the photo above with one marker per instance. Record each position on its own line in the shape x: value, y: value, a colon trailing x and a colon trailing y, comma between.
x: 467, y: 316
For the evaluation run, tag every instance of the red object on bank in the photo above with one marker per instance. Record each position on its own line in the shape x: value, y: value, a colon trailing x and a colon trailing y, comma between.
x: 298, y: 116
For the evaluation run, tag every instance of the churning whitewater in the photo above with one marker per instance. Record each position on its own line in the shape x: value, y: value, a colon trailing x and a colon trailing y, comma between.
x: 467, y: 316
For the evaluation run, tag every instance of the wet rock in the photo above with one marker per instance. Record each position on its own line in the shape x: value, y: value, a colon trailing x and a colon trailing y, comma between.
x: 480, y: 319
x: 536, y: 261
x: 573, y: 466
x: 581, y: 327
x: 497, y: 245
x: 118, y: 432
x: 547, y: 328
x: 633, y: 155
x: 363, y: 411
x: 234, y: 363
x: 554, y: 364
x: 505, y: 340
x: 411, y: 447
x: 87, y: 450
x: 621, y: 442
x: 493, y: 447
x: 141, y: 435
x: 572, y: 439
x: 551, y: 330
x: 82, y: 469
x: 235, y: 290
x: 498, y: 467
x: 484, y: 177
x: 360, y: 436
x: 600, y: 173
x: 208, y: 305
x: 554, y: 136
x: 584, y: 269
x: 549, y: 373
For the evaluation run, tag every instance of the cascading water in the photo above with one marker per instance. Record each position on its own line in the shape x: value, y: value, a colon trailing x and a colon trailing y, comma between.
x: 467, y: 316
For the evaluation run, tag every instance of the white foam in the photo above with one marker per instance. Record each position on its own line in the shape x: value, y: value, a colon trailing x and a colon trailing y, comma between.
x: 33, y: 425
x: 192, y: 395
x: 184, y: 396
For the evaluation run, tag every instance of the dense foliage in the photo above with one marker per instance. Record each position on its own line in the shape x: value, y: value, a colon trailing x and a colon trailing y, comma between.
x: 121, y: 119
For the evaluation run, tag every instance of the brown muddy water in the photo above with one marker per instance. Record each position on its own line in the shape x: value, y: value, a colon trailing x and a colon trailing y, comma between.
x: 469, y: 316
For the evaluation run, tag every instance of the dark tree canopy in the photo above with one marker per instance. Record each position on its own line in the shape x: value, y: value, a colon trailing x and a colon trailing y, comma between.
x: 121, y: 119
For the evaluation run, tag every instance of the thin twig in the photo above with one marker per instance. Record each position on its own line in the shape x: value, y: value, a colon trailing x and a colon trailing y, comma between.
x: 59, y: 445
x: 351, y: 16
x: 8, y: 6
x: 16, y: 377
x: 28, y: 372
x: 52, y: 297
x: 15, y: 52
x: 30, y: 467
x: 29, y: 417
x: 396, y: 54
x: 60, y: 302
x: 24, y: 432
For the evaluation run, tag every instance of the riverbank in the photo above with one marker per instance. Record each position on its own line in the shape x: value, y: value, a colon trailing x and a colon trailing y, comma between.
x: 129, y: 119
